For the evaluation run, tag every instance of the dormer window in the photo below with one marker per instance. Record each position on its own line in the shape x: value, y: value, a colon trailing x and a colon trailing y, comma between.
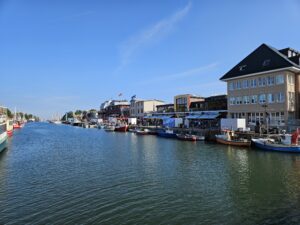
x: 242, y: 67
x: 266, y: 62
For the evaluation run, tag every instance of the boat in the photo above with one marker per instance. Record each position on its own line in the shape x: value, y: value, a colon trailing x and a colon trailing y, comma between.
x: 142, y: 132
x: 3, y: 136
x: 121, y: 128
x: 17, y: 125
x: 186, y: 137
x: 200, y: 138
x: 109, y: 128
x: 167, y: 134
x: 229, y: 138
x: 285, y: 143
x: 9, y: 128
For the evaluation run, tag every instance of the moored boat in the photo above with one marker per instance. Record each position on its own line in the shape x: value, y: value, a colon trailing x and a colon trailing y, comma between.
x: 229, y: 138
x: 109, y: 128
x: 142, y: 131
x: 286, y: 143
x: 9, y: 128
x: 186, y: 137
x: 121, y: 128
x: 3, y: 136
x: 167, y: 134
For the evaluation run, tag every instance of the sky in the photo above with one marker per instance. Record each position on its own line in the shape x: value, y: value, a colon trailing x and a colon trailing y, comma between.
x: 62, y: 55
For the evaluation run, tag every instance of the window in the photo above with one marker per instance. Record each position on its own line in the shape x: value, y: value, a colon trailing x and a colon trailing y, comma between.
x: 253, y: 99
x: 291, y: 79
x: 270, y: 81
x: 262, y: 98
x: 271, y: 98
x: 232, y: 101
x: 245, y: 84
x: 239, y: 101
x: 247, y: 98
x: 280, y: 97
x: 242, y: 67
x: 259, y: 81
x: 238, y: 85
x: 279, y: 79
x: 266, y: 62
x: 264, y: 81
x: 230, y: 86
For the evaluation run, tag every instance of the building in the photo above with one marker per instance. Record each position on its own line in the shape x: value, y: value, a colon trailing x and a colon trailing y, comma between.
x: 114, y: 108
x: 165, y: 108
x: 182, y: 103
x: 138, y: 107
x: 264, y: 87
x: 217, y: 102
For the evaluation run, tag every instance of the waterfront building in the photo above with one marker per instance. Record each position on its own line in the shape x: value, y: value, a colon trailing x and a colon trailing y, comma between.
x: 114, y: 108
x: 217, y: 102
x: 165, y: 108
x: 139, y: 107
x: 264, y: 87
x: 183, y: 102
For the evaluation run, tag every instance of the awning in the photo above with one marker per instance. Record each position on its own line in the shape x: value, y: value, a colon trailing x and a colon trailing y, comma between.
x: 204, y: 116
x: 157, y: 117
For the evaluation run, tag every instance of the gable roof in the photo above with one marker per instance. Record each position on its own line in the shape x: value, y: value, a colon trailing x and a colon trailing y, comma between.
x: 262, y: 59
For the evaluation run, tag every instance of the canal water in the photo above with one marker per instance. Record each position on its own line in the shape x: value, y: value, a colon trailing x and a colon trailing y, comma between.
x: 58, y: 174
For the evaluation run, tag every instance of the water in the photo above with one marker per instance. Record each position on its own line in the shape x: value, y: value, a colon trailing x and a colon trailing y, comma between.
x: 57, y: 174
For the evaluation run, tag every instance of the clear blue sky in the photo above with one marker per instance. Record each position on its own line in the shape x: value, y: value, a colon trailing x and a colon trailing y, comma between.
x: 61, y: 55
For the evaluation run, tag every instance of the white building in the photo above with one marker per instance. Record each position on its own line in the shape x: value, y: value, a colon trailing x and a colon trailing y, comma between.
x: 138, y: 108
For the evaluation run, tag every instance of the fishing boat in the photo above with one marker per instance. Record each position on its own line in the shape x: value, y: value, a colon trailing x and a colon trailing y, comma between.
x: 200, y: 138
x: 121, y: 128
x: 17, y: 125
x: 285, y: 143
x: 3, y: 136
x: 9, y: 127
x: 229, y: 138
x: 186, y: 137
x: 167, y: 134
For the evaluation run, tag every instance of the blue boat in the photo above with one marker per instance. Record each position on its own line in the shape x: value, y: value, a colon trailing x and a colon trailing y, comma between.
x: 271, y: 145
x: 167, y: 134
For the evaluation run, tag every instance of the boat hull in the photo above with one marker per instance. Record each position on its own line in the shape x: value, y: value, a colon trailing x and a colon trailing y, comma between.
x: 274, y: 147
x: 233, y: 143
x: 166, y: 135
x: 10, y: 133
x: 121, y: 129
x: 186, y: 138
x: 3, y: 141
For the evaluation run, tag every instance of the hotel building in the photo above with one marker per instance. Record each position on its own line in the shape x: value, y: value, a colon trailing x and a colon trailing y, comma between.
x: 264, y: 87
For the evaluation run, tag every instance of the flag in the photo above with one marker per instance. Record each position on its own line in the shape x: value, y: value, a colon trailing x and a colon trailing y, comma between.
x: 120, y: 94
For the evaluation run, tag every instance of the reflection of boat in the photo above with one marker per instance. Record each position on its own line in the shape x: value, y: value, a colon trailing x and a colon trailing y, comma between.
x: 186, y: 137
x: 3, y: 136
x: 229, y: 138
x: 167, y: 134
x: 286, y: 143
x: 121, y: 128
x: 109, y: 128
x: 9, y: 127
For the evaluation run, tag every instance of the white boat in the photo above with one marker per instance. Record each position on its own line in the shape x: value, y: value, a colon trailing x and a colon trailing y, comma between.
x: 109, y: 128
x: 3, y: 136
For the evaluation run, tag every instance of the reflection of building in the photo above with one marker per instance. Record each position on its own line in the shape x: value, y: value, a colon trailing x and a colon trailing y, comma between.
x: 218, y: 102
x: 138, y: 108
x: 165, y: 108
x: 264, y: 86
x: 114, y: 108
x: 182, y: 103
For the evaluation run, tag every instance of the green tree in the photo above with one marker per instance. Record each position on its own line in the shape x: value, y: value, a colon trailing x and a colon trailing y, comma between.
x: 9, y: 114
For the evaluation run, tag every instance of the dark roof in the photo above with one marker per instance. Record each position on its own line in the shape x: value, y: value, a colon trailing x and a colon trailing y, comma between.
x: 262, y: 59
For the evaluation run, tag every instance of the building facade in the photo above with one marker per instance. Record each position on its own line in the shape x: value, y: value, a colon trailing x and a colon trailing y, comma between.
x: 217, y: 102
x: 182, y: 103
x: 114, y: 108
x: 264, y: 87
x: 165, y: 108
x: 138, y: 108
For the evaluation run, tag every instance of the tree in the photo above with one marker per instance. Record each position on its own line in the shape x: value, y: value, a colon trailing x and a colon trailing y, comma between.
x: 9, y: 114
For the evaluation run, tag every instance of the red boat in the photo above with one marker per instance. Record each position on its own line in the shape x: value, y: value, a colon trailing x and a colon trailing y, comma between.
x: 9, y: 128
x: 121, y: 128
